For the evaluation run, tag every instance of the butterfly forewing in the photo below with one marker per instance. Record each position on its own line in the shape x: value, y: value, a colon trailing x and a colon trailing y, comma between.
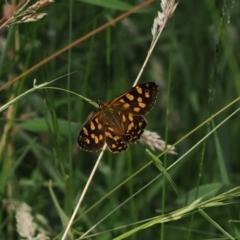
x: 120, y: 121
x: 138, y: 100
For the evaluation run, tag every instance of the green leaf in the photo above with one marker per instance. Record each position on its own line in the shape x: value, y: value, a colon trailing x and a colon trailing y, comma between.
x: 211, y: 189
x: 112, y: 4
x: 40, y: 126
x: 64, y: 218
x: 157, y: 162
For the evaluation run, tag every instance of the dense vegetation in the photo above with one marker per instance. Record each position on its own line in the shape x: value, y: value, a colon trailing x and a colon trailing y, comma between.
x: 42, y: 170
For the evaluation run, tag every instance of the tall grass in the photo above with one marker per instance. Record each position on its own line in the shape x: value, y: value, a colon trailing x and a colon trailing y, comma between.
x: 42, y: 170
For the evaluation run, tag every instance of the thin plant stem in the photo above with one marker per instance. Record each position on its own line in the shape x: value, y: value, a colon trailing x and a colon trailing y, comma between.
x: 69, y: 182
x: 166, y: 129
x: 84, y: 192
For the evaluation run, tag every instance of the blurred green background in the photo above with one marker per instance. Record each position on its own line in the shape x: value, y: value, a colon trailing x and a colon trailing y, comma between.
x: 196, y: 59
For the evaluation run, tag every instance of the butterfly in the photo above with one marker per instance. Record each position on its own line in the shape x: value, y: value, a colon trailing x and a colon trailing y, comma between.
x: 120, y: 121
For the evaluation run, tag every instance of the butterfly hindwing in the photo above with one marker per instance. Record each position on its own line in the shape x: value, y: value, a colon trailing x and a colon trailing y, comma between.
x: 133, y: 128
x: 92, y: 136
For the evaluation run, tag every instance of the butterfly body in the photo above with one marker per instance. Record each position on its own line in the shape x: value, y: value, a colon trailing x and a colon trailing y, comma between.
x: 120, y: 121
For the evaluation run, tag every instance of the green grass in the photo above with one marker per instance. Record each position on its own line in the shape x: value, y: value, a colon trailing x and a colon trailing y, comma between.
x: 196, y: 65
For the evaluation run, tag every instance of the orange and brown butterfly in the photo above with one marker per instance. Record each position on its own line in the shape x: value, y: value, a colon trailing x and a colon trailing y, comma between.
x: 120, y: 121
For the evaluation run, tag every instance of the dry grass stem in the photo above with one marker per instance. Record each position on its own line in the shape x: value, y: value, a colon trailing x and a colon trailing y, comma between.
x: 168, y: 7
x: 152, y: 139
x: 84, y: 192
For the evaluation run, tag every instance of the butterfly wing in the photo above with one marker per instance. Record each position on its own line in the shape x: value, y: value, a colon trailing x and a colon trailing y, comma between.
x: 92, y: 136
x: 120, y: 121
x: 133, y: 127
x: 138, y: 100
